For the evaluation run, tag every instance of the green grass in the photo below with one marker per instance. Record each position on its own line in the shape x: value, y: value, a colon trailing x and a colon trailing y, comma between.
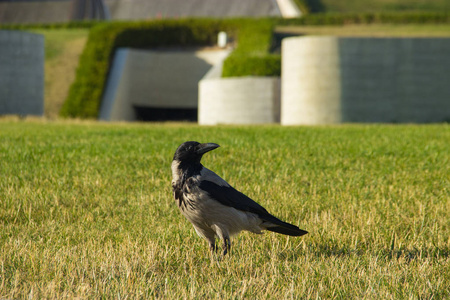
x: 372, y: 30
x: 86, y: 211
x: 56, y: 40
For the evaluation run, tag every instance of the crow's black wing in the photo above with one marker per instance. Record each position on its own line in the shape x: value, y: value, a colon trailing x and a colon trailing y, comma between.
x: 229, y: 196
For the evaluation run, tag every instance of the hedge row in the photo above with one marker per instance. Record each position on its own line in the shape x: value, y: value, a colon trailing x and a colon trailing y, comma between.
x: 86, y: 92
x: 72, y: 24
x: 370, y: 18
x: 251, y: 57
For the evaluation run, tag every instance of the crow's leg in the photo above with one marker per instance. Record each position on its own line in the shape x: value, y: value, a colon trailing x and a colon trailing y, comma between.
x: 212, y: 246
x: 226, y: 245
x: 212, y: 243
x: 223, y: 234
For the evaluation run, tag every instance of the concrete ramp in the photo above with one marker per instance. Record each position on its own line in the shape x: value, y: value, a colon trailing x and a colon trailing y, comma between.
x: 156, y: 85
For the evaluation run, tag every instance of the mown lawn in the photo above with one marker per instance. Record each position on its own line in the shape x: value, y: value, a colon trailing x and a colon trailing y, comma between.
x: 86, y: 211
x: 372, y: 30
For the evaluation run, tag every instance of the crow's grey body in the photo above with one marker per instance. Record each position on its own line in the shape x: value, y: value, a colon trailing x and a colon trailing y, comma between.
x: 215, y: 208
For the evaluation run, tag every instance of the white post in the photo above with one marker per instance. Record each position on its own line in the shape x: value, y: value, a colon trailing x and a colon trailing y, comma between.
x: 222, y: 39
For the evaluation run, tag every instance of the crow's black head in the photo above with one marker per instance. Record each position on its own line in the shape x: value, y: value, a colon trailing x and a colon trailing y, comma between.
x: 192, y: 152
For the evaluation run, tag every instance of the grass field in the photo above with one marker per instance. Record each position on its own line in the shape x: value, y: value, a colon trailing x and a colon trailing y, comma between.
x: 86, y: 211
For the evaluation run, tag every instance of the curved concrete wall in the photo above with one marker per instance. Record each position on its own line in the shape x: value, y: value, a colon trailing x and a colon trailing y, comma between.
x: 21, y: 73
x: 331, y: 80
x: 248, y: 100
x: 154, y: 79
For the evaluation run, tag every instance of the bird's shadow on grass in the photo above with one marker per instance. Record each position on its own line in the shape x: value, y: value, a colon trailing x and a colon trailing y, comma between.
x: 327, y: 251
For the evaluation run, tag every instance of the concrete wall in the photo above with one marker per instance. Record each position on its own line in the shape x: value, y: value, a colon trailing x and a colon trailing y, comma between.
x: 21, y: 73
x: 154, y: 79
x: 332, y: 80
x: 66, y: 10
x: 243, y: 100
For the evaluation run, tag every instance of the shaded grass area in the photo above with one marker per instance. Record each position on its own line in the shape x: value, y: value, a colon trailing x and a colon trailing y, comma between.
x: 86, y: 211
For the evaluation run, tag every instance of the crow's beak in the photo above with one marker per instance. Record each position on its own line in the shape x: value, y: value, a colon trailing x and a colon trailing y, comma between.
x: 206, y: 147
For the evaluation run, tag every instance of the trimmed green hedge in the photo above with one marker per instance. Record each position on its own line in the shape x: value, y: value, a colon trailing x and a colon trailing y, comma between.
x: 86, y: 92
x: 252, y: 56
x: 369, y: 18
x: 246, y: 65
x: 72, y: 24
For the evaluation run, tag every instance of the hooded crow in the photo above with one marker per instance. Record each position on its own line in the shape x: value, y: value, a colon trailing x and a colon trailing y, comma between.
x: 214, y: 207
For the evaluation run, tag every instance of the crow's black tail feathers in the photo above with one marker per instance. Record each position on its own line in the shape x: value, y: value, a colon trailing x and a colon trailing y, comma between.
x: 288, y: 231
x: 276, y: 225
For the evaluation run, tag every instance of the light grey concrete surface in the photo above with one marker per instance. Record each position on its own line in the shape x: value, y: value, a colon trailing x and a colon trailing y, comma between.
x: 155, y: 79
x: 115, y: 104
x: 332, y: 80
x: 151, y: 9
x: 21, y: 73
x: 289, y: 9
x: 243, y: 100
x: 66, y: 10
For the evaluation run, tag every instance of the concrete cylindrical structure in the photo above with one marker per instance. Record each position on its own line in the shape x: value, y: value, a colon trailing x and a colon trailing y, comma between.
x: 310, y: 88
x: 21, y: 73
x: 329, y: 80
x: 247, y: 100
